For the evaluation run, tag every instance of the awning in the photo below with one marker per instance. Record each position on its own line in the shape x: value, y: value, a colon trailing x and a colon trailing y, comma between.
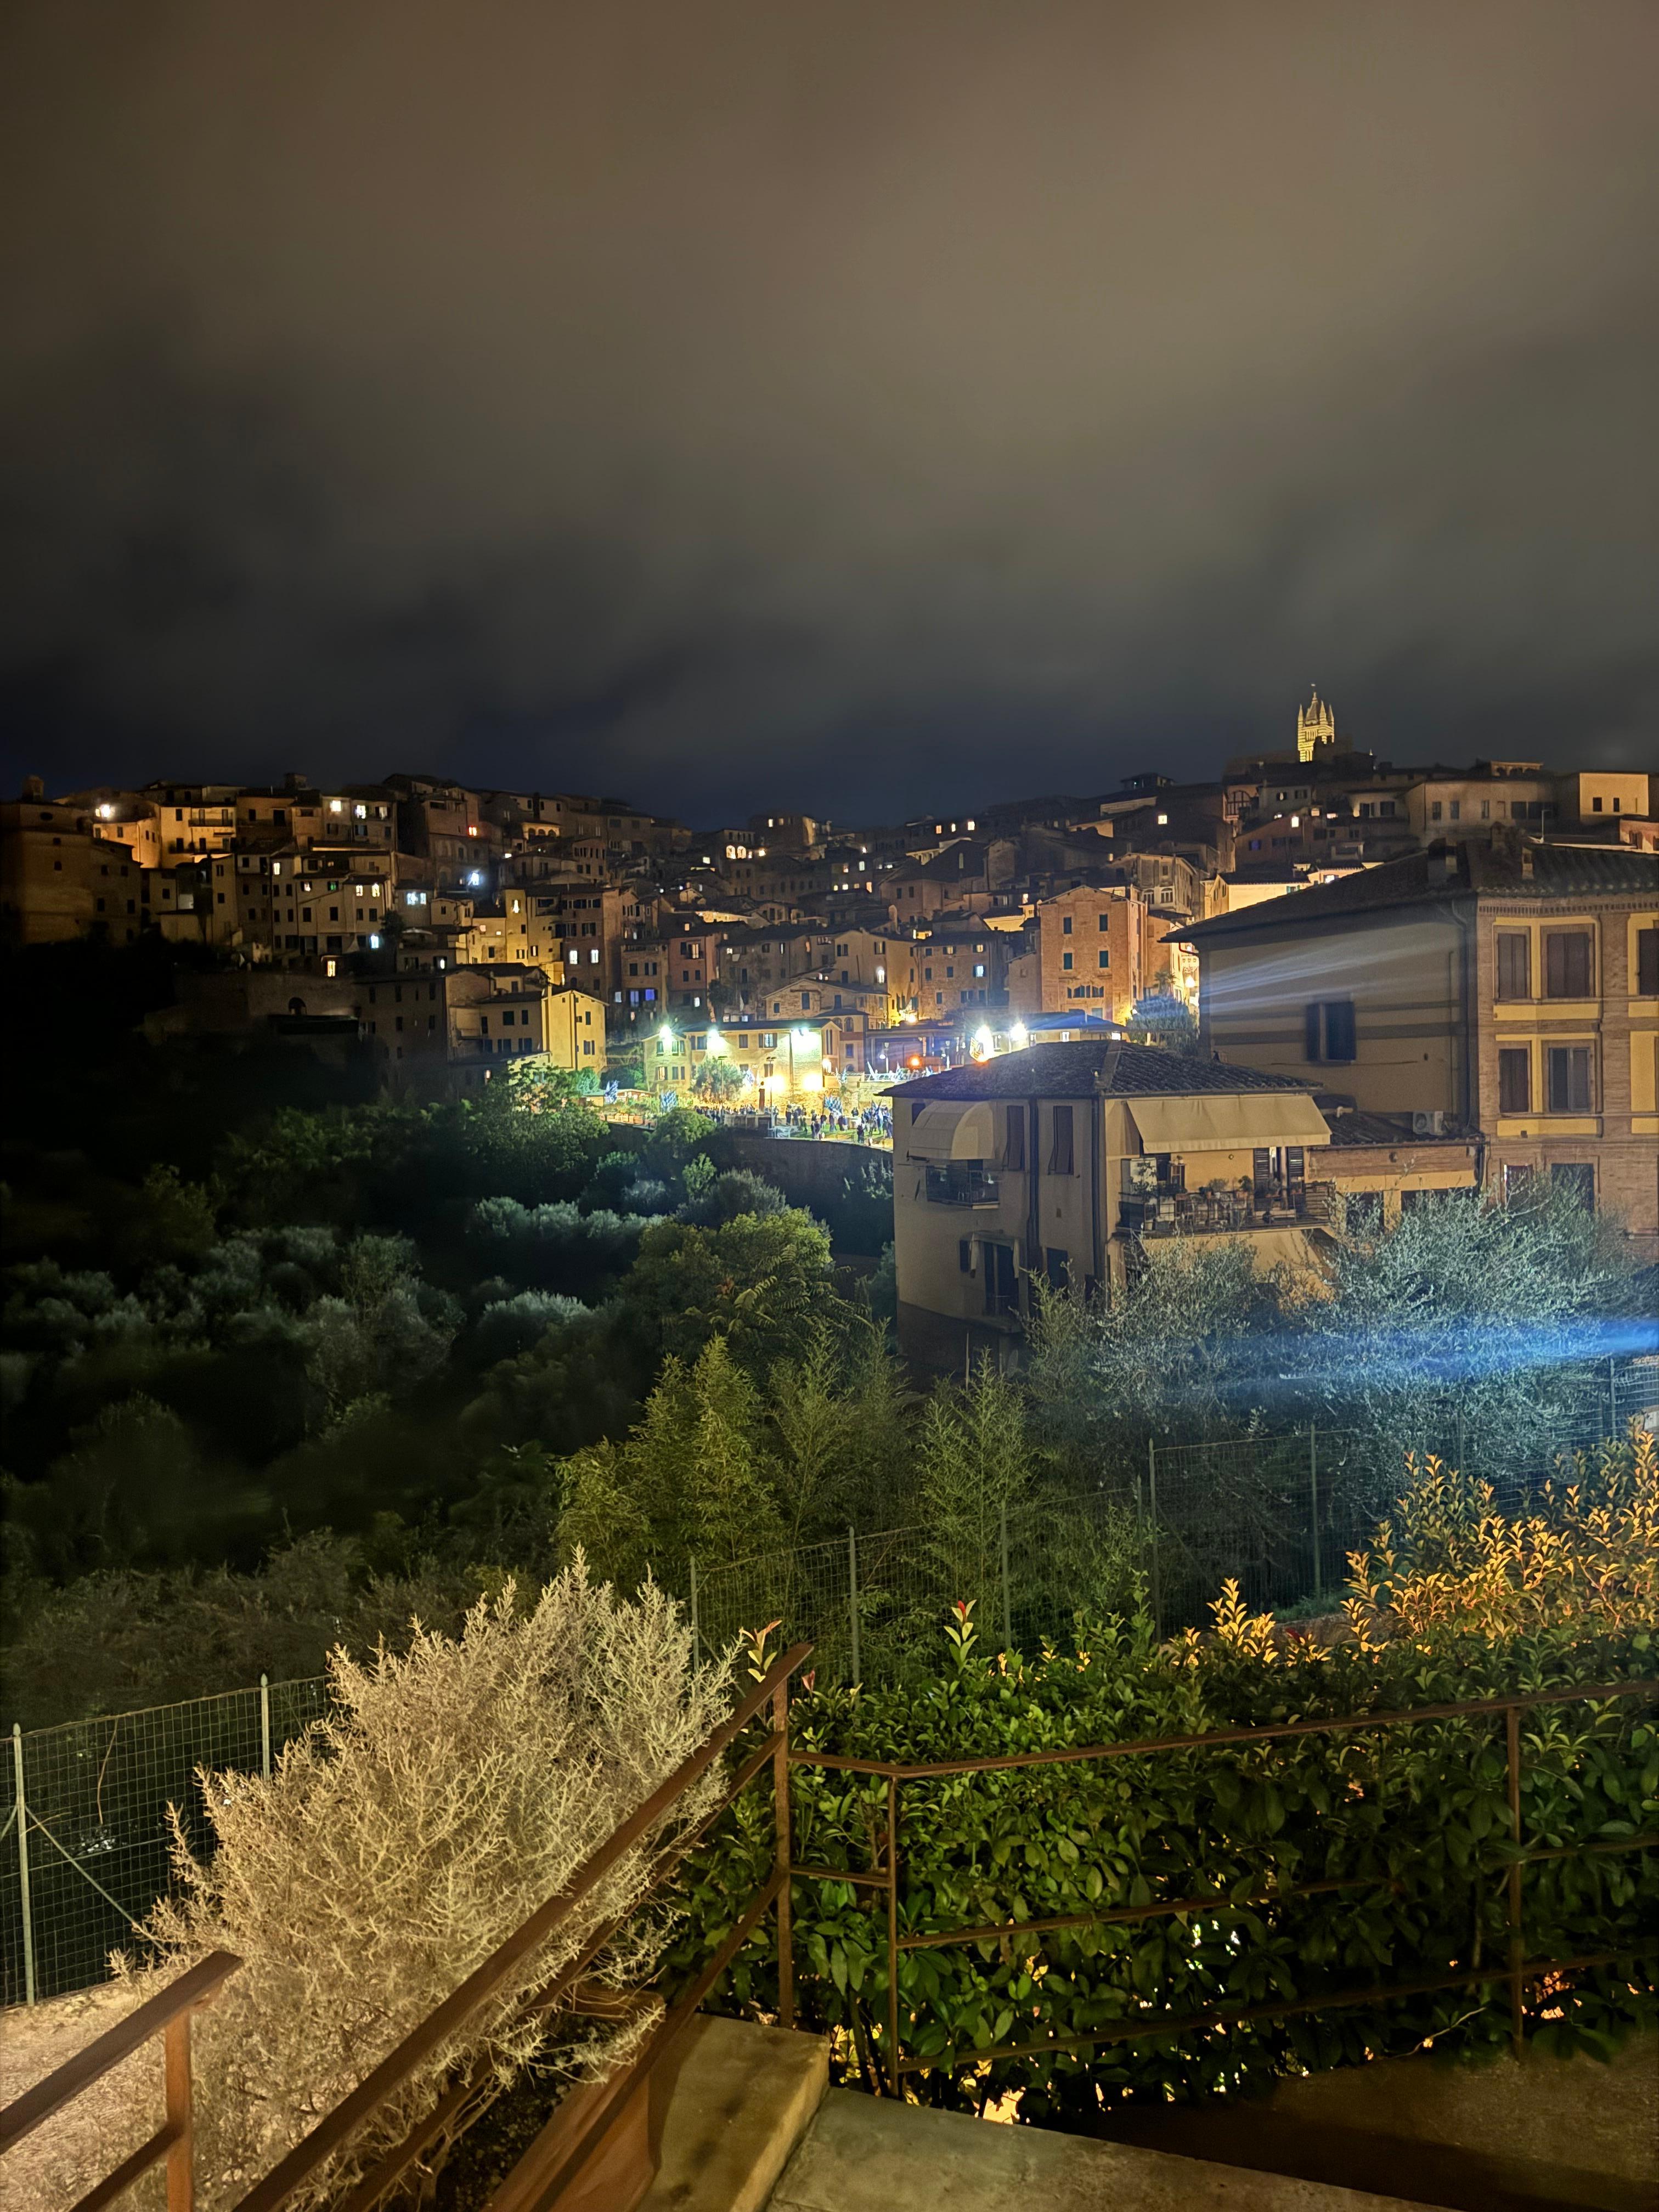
x: 952, y: 1132
x: 1242, y: 1121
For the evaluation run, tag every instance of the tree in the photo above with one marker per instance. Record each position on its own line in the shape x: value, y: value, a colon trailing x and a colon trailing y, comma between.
x: 693, y: 1477
x: 386, y: 1333
x: 674, y: 1137
x: 1466, y: 1329
x: 977, y: 1464
x: 537, y: 1085
x: 843, y: 1445
x: 763, y: 1282
x: 711, y: 1198
x: 1163, y: 1356
x: 719, y: 1080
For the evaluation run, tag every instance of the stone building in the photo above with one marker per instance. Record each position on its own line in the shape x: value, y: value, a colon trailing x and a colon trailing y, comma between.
x: 1507, y: 992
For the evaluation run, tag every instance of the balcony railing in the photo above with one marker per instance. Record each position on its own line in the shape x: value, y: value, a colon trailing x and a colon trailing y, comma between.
x: 1200, y: 1212
x: 960, y: 1183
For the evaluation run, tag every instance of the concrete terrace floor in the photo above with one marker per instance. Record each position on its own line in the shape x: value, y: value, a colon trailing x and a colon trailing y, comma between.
x: 866, y: 2154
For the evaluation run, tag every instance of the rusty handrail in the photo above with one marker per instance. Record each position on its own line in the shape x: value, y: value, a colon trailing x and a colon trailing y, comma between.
x: 336, y: 2128
x: 1517, y: 1971
x: 166, y: 2014
x: 1137, y: 1746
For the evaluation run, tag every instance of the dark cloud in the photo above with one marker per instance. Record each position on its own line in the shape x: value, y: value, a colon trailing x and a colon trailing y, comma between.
x: 857, y: 405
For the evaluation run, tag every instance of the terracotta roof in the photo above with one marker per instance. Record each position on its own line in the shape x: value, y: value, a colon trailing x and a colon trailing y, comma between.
x: 1372, y: 1129
x: 1457, y: 871
x: 1092, y: 1067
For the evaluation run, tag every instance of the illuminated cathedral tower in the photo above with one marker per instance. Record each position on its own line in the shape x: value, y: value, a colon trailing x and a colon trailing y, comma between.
x: 1315, y: 729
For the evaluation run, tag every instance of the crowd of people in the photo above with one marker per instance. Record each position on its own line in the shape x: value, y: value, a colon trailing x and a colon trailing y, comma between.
x: 829, y: 1117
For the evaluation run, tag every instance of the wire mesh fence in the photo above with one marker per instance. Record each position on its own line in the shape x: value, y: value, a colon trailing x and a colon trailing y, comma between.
x: 86, y: 1850
x: 1279, y: 1513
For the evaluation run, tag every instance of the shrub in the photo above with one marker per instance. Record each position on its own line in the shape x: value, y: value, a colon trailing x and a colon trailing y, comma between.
x: 459, y: 1786
x: 716, y: 1199
x: 1582, y: 1559
x: 763, y: 1282
x: 1398, y: 1839
x: 113, y: 1641
x: 512, y: 1325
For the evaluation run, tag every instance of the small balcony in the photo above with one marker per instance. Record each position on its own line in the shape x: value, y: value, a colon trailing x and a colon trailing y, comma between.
x: 960, y: 1183
x: 1227, y: 1213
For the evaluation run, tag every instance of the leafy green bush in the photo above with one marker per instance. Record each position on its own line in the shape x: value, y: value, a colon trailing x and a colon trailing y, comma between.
x: 1401, y: 1833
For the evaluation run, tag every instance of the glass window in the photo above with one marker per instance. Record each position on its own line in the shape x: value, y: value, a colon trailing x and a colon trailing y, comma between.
x: 1062, y: 1158
x: 1570, y: 1087
x: 1569, y: 965
x: 1647, y: 963
x: 1013, y: 1142
x: 1514, y: 964
x: 1332, y: 1030
x: 1578, y: 1178
x: 1515, y: 1081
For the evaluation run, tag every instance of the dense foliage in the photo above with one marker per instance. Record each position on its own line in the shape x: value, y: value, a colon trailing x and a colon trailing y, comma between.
x: 1454, y: 1602
x: 1467, y: 1327
x: 246, y: 1304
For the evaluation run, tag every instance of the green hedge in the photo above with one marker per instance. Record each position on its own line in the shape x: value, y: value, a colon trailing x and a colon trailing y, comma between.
x: 1416, y: 1816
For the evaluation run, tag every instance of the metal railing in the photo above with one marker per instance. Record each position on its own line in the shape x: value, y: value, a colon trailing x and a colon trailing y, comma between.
x: 166, y: 2014
x: 951, y: 1186
x: 1516, y: 1973
x: 1204, y: 1213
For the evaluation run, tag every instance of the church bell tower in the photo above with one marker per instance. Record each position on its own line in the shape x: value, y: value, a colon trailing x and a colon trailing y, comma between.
x: 1315, y: 729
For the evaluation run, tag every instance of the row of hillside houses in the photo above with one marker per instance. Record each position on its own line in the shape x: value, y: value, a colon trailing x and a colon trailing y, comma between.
x: 883, y: 947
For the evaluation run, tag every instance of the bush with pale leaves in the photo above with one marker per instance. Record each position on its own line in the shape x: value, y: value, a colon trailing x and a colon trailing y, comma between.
x: 458, y: 1785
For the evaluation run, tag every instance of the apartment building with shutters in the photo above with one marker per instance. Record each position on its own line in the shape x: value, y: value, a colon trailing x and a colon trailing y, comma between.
x: 1062, y: 1163
x: 1509, y: 992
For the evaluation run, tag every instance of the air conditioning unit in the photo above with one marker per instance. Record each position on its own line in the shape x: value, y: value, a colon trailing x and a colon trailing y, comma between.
x: 1431, y: 1124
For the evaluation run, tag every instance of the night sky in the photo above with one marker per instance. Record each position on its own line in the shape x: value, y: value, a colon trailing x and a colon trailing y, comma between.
x: 860, y: 407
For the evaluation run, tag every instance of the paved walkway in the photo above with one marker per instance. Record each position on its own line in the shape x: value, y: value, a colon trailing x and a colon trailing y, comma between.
x: 866, y: 2154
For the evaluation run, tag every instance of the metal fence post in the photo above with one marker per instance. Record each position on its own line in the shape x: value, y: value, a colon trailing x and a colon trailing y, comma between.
x: 1007, y: 1614
x: 895, y: 2078
x: 1516, y: 1947
x: 1612, y: 1398
x: 782, y: 1854
x: 1152, y: 1487
x: 853, y: 1595
x: 697, y: 1641
x: 23, y: 1865
x: 1312, y: 1505
x: 264, y: 1725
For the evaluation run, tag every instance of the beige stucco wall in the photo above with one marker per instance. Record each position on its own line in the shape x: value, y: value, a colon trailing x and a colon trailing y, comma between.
x: 1405, y: 976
